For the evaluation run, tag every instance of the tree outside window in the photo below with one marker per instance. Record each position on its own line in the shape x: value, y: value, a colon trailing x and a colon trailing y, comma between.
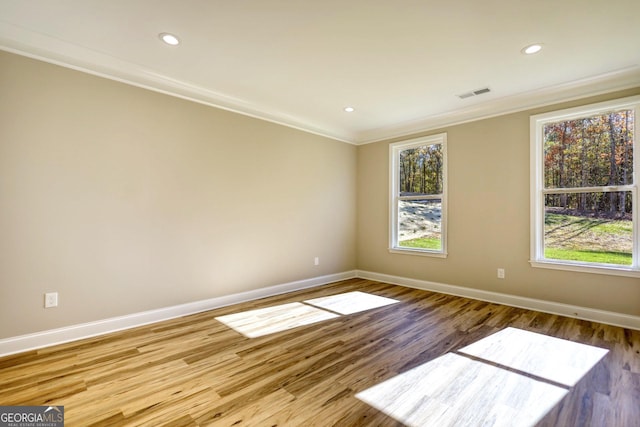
x: 583, y: 188
x: 418, y: 196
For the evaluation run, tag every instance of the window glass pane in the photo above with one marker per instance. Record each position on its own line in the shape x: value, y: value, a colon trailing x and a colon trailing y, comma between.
x: 420, y: 224
x: 593, y: 151
x: 589, y: 227
x: 421, y: 170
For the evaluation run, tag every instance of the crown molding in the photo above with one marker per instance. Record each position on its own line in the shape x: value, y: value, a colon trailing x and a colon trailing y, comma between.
x: 626, y: 78
x: 55, y: 51
x: 44, y: 48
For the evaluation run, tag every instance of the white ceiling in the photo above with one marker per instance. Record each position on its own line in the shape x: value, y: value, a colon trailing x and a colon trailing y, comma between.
x: 399, y: 63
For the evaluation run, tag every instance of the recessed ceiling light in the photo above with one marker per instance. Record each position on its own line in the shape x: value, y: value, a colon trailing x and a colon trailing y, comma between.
x: 169, y: 39
x: 532, y: 48
x: 349, y: 109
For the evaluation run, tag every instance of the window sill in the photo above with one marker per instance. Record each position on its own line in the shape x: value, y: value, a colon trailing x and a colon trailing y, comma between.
x: 582, y: 268
x: 418, y: 252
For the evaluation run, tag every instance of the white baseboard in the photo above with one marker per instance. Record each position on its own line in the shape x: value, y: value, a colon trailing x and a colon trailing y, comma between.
x: 86, y: 330
x: 51, y: 337
x: 584, y: 313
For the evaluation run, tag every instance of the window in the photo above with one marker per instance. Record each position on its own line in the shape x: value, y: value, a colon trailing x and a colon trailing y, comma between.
x: 584, y: 188
x: 418, y: 184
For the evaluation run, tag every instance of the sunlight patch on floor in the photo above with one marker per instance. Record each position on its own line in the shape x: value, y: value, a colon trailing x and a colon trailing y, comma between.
x: 455, y: 389
x: 265, y: 321
x: 554, y: 359
x: 351, y: 302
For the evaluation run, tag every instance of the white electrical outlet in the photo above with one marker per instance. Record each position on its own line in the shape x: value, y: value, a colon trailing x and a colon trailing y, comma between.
x: 316, y: 261
x: 501, y: 273
x: 50, y: 299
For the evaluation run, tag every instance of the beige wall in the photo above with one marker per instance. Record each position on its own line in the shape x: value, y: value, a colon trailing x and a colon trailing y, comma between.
x: 125, y: 200
x: 488, y: 219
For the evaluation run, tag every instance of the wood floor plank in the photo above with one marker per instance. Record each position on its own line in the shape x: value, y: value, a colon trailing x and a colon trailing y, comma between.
x: 196, y: 371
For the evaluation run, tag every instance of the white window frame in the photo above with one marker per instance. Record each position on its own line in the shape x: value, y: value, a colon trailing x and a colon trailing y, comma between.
x: 537, y: 123
x: 394, y: 192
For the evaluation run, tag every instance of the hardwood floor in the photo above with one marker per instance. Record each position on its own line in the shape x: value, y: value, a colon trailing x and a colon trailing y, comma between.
x: 196, y: 370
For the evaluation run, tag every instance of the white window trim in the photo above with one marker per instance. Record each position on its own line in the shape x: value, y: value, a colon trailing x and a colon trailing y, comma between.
x: 537, y: 189
x: 394, y: 169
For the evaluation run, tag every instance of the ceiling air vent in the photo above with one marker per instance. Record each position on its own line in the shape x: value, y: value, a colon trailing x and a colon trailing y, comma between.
x: 474, y: 93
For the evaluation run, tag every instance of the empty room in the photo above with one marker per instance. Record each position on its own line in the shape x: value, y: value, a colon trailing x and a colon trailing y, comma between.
x: 297, y: 213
